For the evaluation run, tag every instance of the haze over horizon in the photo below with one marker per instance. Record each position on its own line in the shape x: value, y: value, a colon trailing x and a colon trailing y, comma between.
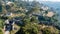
x: 48, y: 0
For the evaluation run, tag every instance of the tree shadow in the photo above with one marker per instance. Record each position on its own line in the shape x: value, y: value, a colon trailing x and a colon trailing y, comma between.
x: 20, y: 31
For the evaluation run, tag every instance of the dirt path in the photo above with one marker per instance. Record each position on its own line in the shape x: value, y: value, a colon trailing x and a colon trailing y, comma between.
x: 6, y: 32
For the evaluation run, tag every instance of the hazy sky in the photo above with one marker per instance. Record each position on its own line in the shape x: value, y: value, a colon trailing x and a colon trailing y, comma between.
x: 49, y: 0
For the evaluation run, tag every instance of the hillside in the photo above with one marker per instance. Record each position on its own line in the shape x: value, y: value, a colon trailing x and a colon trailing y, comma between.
x: 23, y: 17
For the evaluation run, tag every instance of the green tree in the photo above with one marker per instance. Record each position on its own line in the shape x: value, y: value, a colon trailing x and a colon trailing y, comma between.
x: 1, y: 31
x: 1, y: 23
x: 0, y: 6
x: 29, y: 28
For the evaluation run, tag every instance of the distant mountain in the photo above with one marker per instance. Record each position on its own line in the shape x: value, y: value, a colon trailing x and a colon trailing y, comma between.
x: 54, y: 5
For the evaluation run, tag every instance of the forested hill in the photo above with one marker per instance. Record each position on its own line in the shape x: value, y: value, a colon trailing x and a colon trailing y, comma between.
x: 32, y: 17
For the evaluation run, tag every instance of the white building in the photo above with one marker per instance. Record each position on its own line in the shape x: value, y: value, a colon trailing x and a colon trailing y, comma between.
x: 44, y: 8
x: 8, y: 14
